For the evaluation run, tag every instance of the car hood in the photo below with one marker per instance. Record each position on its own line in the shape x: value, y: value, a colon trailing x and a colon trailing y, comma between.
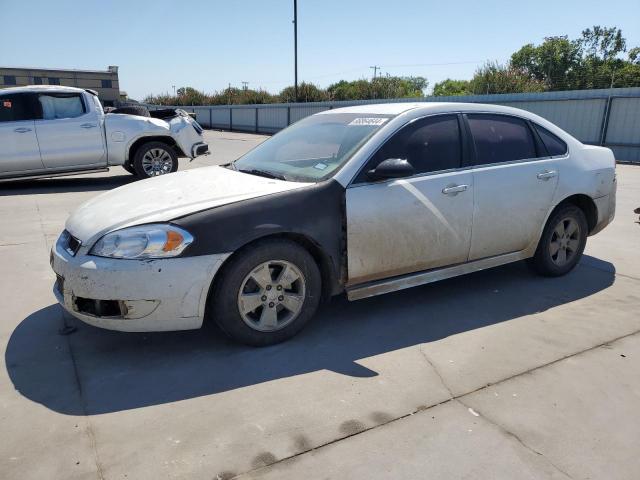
x: 167, y: 197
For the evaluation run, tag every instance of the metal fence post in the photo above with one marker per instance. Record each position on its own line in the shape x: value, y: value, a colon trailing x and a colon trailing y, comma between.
x: 605, y: 120
x: 256, y: 119
x: 230, y: 118
x: 210, y: 117
x: 288, y: 116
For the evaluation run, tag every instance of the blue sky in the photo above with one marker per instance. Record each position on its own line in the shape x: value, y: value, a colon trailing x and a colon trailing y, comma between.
x: 207, y: 44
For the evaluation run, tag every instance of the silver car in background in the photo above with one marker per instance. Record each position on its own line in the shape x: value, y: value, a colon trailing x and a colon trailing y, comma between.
x: 52, y: 130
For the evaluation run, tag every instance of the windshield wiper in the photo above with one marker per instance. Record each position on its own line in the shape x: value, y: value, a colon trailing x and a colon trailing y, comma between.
x: 263, y: 173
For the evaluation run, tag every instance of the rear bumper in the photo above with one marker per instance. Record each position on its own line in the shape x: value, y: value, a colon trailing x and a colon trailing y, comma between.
x: 134, y: 295
x: 606, y: 210
x: 199, y: 149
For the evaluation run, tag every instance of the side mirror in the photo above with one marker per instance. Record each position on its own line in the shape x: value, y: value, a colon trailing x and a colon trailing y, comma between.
x: 391, y: 168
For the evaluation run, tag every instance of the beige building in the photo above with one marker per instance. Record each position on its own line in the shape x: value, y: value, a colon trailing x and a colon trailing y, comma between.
x: 105, y: 82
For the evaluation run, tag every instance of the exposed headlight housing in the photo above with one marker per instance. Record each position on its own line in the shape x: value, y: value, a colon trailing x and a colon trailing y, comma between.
x: 144, y: 241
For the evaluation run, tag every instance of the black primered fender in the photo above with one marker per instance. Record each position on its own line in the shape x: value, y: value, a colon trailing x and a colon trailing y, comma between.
x: 316, y: 212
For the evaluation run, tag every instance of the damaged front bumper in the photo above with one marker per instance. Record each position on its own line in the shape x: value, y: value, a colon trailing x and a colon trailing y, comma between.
x: 134, y: 295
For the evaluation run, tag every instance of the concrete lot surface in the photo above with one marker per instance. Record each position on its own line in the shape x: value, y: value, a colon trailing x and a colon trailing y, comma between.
x: 496, y: 375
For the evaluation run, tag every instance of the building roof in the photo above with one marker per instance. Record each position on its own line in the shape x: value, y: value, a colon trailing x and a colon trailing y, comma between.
x: 109, y: 70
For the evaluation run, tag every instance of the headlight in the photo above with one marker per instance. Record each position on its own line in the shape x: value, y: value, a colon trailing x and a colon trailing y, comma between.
x: 145, y: 241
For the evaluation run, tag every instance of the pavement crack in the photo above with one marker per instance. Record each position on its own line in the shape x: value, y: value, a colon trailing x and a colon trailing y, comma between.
x: 428, y: 360
x: 452, y: 399
x: 89, y: 427
x: 513, y: 435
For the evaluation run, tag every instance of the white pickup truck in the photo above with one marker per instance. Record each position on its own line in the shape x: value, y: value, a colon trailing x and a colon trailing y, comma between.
x: 48, y: 131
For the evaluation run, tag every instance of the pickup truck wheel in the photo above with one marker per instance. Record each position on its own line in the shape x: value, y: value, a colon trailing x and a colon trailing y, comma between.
x: 266, y: 294
x: 153, y: 159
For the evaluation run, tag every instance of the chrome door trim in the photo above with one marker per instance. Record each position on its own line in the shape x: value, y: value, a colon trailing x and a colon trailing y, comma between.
x: 393, y: 284
x: 52, y: 174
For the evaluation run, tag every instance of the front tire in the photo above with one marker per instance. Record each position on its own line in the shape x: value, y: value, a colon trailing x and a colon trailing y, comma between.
x: 153, y: 159
x: 267, y: 293
x: 562, y: 242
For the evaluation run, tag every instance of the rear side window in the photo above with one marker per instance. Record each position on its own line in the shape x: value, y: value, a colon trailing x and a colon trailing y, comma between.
x: 17, y: 107
x: 555, y: 146
x: 429, y: 145
x: 500, y: 138
x: 61, y: 106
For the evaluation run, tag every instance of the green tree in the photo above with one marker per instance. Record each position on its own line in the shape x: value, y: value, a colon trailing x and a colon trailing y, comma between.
x: 555, y: 62
x: 601, y: 64
x: 307, y: 92
x: 381, y: 87
x: 449, y: 88
x: 493, y: 77
x: 603, y: 43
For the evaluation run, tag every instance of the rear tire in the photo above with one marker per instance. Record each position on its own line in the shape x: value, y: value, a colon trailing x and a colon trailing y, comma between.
x: 562, y: 242
x: 267, y: 293
x: 153, y: 159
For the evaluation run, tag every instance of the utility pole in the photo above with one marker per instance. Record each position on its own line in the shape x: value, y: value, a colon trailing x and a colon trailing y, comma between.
x: 375, y: 69
x: 174, y: 90
x: 229, y: 92
x: 245, y: 86
x: 295, y: 47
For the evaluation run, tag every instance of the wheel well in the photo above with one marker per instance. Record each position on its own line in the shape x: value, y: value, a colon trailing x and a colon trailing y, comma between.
x: 163, y: 139
x: 321, y: 258
x: 586, y: 204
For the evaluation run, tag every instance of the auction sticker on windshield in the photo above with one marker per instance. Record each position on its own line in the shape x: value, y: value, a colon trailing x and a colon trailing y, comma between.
x: 373, y: 121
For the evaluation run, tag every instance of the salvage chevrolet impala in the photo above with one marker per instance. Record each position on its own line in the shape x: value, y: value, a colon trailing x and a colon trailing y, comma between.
x: 364, y: 200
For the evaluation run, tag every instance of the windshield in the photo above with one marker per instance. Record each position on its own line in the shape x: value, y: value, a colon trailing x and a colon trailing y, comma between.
x: 312, y: 149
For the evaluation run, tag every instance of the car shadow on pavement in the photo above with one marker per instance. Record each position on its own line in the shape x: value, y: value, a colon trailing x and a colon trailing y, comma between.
x: 64, y: 184
x: 119, y: 371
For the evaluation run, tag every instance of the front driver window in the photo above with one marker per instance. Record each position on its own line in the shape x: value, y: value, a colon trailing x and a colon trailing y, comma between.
x: 429, y: 144
x: 17, y: 107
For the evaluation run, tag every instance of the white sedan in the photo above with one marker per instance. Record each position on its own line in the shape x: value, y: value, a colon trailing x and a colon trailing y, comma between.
x: 364, y: 200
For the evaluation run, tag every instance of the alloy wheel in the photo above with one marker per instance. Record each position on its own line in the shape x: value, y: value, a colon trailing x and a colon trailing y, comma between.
x: 156, y: 162
x: 565, y: 241
x: 271, y: 296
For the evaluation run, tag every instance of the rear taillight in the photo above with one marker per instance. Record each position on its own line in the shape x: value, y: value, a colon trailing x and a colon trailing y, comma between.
x: 196, y: 126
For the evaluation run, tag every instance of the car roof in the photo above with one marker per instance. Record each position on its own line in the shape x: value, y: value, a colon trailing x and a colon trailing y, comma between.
x: 427, y: 108
x: 40, y: 88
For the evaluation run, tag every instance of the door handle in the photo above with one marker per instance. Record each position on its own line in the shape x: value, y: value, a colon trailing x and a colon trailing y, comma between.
x: 454, y: 189
x: 22, y: 130
x: 88, y: 125
x: 546, y: 175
